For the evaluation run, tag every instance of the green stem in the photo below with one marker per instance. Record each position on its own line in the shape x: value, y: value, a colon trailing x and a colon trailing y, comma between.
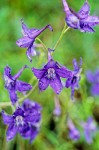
x: 61, y: 36
x: 44, y: 46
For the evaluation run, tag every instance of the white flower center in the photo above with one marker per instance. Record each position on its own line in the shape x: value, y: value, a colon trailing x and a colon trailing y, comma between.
x: 51, y: 73
x: 19, y: 121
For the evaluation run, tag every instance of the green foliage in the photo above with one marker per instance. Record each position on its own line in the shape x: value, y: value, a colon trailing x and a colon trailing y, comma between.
x: 73, y: 45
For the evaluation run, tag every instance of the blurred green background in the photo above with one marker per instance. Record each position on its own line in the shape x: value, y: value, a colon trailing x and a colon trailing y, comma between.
x: 37, y: 13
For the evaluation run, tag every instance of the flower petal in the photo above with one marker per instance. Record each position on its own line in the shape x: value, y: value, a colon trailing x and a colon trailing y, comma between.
x: 43, y: 83
x: 25, y: 131
x: 25, y: 29
x: 50, y: 64
x: 76, y: 67
x: 23, y: 86
x: 36, y: 32
x: 66, y: 7
x: 84, y: 27
x: 7, y: 119
x: 34, y: 133
x: 74, y: 134
x: 11, y: 132
x: 63, y: 72
x: 56, y: 84
x: 92, y: 21
x: 24, y: 42
x: 68, y: 82
x: 13, y: 96
x: 84, y: 11
x: 33, y: 117
x: 38, y: 72
x: 16, y: 76
x: 30, y: 106
x: 7, y: 72
x: 19, y: 112
x: 88, y: 136
x: 31, y: 52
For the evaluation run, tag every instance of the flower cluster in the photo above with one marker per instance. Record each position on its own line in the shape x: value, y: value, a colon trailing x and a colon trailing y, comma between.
x: 25, y: 121
x: 80, y: 20
x: 26, y: 118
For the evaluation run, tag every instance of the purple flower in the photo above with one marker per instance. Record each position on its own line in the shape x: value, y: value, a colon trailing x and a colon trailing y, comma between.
x: 50, y: 75
x: 81, y: 20
x: 74, y: 133
x: 93, y: 78
x: 89, y: 129
x: 24, y: 120
x: 73, y: 81
x: 57, y: 109
x: 29, y: 36
x: 12, y: 84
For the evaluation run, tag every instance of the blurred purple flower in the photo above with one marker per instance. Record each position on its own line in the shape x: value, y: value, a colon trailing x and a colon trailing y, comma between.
x: 81, y: 20
x: 57, y: 109
x: 29, y: 36
x: 93, y: 78
x: 50, y: 75
x: 89, y: 129
x: 74, y: 133
x: 24, y: 120
x: 12, y: 84
x: 73, y: 81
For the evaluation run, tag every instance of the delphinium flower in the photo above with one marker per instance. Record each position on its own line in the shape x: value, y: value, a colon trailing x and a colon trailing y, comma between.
x: 73, y: 81
x: 80, y: 20
x: 29, y: 36
x: 93, y: 78
x: 12, y: 84
x: 24, y: 121
x: 74, y: 133
x: 90, y: 129
x: 50, y: 75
